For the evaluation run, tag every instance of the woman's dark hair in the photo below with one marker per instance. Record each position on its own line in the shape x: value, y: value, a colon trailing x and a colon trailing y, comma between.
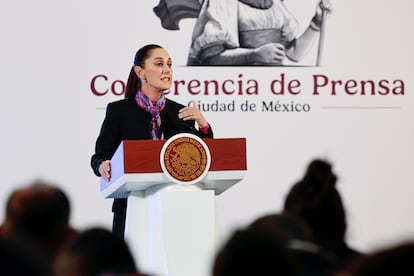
x: 134, y: 83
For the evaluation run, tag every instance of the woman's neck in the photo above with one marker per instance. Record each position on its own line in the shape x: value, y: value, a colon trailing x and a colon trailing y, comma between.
x: 152, y: 94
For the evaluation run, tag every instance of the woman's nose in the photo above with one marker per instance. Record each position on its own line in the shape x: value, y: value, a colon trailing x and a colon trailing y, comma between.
x: 166, y: 68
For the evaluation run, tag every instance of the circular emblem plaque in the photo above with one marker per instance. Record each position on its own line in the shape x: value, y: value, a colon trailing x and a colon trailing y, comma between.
x: 185, y: 158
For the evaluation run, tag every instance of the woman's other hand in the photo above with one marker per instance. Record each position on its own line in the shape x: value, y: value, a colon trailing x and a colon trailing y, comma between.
x: 192, y: 112
x: 105, y: 169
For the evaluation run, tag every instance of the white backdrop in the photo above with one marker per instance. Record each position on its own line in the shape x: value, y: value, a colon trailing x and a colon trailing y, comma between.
x: 49, y: 118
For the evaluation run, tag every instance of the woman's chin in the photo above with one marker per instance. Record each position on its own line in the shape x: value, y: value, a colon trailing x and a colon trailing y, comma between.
x: 165, y: 86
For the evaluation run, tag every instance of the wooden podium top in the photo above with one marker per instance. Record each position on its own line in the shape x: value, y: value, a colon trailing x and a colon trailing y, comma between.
x: 136, y: 165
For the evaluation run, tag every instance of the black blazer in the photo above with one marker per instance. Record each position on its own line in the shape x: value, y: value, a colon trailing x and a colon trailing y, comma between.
x: 125, y: 120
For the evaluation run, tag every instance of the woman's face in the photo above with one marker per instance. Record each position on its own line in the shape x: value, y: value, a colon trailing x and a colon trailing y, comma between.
x: 157, y: 71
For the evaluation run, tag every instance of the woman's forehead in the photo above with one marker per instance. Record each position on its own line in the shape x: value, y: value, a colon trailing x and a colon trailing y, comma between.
x: 159, y: 53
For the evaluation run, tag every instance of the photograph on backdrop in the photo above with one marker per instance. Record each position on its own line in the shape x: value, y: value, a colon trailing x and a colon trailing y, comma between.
x: 245, y: 32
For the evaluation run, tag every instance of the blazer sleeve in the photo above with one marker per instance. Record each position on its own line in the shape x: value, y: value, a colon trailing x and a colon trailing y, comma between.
x: 108, y: 140
x: 209, y: 133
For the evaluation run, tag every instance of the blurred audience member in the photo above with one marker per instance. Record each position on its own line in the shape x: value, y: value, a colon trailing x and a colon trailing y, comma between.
x: 316, y: 200
x: 296, y: 237
x: 285, y: 226
x: 17, y: 260
x: 97, y: 252
x: 253, y: 251
x: 393, y: 260
x: 37, y: 216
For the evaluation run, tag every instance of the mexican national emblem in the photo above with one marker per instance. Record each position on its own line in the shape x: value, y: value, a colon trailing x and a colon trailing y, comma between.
x: 185, y: 158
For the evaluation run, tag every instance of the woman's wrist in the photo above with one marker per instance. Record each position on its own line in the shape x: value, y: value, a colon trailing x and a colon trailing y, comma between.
x: 202, y: 124
x: 204, y: 129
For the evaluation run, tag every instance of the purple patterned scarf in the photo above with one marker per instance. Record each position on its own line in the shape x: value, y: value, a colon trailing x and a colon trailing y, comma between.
x: 145, y: 103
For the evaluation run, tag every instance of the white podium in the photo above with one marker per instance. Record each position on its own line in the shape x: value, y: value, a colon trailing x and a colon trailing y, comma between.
x: 171, y: 224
